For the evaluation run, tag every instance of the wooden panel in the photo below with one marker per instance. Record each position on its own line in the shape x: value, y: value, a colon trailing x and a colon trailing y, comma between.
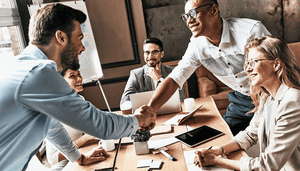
x: 114, y: 33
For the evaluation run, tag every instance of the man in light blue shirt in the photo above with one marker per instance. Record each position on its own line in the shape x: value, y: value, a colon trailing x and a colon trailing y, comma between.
x: 32, y: 93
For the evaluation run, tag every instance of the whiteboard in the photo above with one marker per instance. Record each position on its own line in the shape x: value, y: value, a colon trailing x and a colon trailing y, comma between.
x: 90, y: 66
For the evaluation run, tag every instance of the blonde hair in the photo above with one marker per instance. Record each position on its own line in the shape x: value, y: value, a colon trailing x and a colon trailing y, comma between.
x: 275, y: 48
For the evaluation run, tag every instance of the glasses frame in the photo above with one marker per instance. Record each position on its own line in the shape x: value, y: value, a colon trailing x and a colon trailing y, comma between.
x: 192, y: 13
x: 252, y: 63
x: 155, y: 52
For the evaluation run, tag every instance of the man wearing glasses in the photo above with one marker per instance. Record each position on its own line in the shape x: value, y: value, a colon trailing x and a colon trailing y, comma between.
x: 217, y: 44
x: 148, y: 77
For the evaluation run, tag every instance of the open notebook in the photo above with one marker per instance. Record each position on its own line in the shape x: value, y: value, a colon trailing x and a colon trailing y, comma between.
x: 171, y: 106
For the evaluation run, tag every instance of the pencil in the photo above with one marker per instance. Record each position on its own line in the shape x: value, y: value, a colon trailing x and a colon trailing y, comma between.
x: 207, y: 149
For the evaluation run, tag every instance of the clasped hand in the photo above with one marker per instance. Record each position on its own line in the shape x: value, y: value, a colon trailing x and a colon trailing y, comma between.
x: 205, y: 157
x: 146, y: 117
x: 95, y: 155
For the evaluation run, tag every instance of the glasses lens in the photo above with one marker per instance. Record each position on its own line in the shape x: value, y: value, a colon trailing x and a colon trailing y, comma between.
x: 154, y: 52
x: 184, y: 17
x: 193, y: 13
x: 146, y: 52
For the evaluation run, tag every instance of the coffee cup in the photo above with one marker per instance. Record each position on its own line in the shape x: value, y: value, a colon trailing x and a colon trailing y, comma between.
x: 107, y: 145
x: 189, y: 104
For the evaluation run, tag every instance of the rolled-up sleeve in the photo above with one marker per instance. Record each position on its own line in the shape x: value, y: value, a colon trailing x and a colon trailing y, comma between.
x: 186, y: 66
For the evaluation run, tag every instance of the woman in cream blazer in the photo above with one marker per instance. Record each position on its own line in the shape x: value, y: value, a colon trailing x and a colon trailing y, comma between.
x: 275, y: 89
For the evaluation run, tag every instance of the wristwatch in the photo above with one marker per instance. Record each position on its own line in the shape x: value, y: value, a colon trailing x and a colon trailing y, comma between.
x: 161, y: 79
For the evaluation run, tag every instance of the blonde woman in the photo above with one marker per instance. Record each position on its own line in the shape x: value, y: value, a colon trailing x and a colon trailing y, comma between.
x: 275, y: 89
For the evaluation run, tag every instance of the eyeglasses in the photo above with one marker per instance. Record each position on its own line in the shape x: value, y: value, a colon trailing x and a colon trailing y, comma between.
x: 153, y: 52
x: 192, y: 13
x: 252, y: 63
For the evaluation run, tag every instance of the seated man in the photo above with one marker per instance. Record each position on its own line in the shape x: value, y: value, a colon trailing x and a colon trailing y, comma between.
x: 148, y: 77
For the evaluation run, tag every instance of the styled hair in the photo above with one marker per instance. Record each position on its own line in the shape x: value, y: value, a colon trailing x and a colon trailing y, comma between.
x: 50, y: 18
x: 155, y: 41
x: 275, y: 48
x: 62, y: 71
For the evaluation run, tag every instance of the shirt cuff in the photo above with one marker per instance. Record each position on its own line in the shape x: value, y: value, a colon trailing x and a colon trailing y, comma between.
x: 74, y: 155
x: 135, y: 123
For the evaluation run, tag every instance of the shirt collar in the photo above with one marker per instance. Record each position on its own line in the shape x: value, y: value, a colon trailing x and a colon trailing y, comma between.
x: 37, y: 53
x: 225, y: 33
x: 281, y: 91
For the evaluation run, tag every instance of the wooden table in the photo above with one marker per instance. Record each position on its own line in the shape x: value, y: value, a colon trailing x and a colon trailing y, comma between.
x: 127, y: 160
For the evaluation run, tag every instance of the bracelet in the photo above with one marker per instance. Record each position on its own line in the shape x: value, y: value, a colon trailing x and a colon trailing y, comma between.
x: 223, y: 151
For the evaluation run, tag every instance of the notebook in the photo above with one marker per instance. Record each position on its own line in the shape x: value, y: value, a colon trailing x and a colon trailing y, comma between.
x: 171, y: 106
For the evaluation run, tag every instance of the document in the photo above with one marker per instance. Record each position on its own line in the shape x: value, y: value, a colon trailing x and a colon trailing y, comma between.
x: 155, y: 144
x: 189, y: 160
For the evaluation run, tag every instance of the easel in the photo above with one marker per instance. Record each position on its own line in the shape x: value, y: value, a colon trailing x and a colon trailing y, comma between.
x: 103, y: 94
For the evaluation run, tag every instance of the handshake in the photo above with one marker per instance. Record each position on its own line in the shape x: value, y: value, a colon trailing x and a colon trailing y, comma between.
x: 146, y: 117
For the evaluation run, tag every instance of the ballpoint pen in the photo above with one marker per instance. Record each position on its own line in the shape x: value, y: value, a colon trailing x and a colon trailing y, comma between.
x: 168, y: 155
x: 207, y: 149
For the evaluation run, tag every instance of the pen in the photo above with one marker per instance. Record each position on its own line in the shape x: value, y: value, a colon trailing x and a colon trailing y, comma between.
x: 207, y: 149
x: 168, y: 155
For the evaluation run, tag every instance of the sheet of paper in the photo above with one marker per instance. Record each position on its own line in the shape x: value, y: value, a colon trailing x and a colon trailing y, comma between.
x: 174, y: 120
x: 161, y: 130
x: 189, y: 160
x: 144, y: 163
x: 156, y: 164
x: 154, y: 144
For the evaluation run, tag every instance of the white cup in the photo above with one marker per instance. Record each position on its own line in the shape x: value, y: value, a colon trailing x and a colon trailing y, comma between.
x: 107, y: 145
x: 189, y: 104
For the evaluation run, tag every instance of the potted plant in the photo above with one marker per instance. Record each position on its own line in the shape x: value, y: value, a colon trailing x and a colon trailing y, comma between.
x: 140, y: 141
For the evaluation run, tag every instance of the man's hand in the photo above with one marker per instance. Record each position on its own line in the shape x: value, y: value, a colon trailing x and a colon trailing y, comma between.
x: 154, y: 72
x: 146, y: 117
x: 95, y: 155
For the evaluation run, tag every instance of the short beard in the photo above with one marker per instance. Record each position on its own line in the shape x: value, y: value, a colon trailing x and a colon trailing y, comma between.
x: 69, y: 57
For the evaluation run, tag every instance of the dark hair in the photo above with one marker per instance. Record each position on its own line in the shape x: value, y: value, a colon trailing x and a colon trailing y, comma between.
x: 207, y: 2
x: 155, y: 41
x: 62, y: 71
x: 50, y: 18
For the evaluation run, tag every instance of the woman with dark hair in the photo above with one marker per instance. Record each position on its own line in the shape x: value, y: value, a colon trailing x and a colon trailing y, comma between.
x: 55, y: 158
x: 275, y: 89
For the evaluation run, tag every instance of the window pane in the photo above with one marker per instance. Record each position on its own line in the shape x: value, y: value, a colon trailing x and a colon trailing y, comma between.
x: 10, y: 42
x: 5, y: 4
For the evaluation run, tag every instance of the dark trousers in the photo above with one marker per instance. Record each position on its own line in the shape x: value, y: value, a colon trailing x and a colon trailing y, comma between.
x: 236, y: 116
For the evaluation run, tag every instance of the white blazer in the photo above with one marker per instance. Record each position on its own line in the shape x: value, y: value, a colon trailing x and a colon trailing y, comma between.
x: 280, y: 146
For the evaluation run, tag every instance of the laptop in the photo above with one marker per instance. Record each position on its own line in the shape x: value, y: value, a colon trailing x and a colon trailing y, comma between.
x: 171, y: 106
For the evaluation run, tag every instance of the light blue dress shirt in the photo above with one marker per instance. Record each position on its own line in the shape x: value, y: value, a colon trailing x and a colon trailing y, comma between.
x: 31, y: 94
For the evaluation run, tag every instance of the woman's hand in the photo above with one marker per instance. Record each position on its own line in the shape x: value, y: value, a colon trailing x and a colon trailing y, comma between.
x: 206, y: 157
x: 95, y: 155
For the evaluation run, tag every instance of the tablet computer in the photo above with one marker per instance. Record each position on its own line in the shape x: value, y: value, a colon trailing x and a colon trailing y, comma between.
x: 199, y: 135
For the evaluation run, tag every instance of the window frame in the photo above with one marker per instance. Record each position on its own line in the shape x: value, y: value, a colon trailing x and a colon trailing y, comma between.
x: 9, y: 16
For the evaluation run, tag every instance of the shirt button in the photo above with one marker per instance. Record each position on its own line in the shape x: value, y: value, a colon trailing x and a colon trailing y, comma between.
x: 241, y: 86
x: 228, y: 63
x: 236, y: 76
x: 220, y: 50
